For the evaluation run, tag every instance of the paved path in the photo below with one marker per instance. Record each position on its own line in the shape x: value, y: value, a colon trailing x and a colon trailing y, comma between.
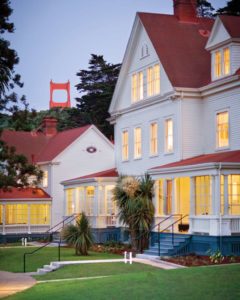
x: 11, y: 283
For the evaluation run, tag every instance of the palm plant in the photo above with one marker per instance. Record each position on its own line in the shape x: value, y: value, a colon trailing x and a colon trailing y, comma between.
x: 134, y: 200
x: 79, y: 235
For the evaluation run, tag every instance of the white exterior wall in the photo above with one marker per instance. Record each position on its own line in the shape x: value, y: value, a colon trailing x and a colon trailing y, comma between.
x: 235, y: 57
x: 228, y: 100
x: 143, y: 117
x: 74, y: 162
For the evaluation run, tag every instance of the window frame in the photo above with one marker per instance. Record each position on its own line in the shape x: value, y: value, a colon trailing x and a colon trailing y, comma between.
x: 153, y: 88
x: 123, y: 131
x: 153, y: 154
x: 137, y: 86
x: 222, y: 63
x: 137, y: 142
x: 217, y: 144
x: 166, y: 136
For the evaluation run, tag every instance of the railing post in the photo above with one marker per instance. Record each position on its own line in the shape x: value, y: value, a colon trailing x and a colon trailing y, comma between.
x: 59, y: 250
x: 24, y: 263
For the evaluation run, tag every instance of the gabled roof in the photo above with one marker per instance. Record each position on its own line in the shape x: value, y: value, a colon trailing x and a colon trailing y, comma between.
x: 181, y: 48
x: 102, y: 174
x: 220, y: 157
x: 232, y: 24
x: 38, y: 147
x: 24, y: 194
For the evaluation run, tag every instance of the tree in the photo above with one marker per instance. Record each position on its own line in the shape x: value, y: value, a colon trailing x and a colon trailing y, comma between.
x: 136, y: 210
x: 204, y: 9
x: 96, y: 88
x: 79, y: 235
x: 232, y: 8
x: 14, y: 168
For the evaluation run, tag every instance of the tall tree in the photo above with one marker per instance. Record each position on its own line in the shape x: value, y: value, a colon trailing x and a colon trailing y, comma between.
x: 96, y: 87
x: 14, y: 168
x: 232, y: 8
x: 204, y: 9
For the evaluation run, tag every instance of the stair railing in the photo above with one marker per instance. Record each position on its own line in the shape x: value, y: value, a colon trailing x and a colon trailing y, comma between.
x: 157, y: 225
x: 64, y: 222
x: 172, y: 231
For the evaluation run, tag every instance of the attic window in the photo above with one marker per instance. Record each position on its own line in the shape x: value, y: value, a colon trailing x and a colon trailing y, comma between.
x: 144, y: 51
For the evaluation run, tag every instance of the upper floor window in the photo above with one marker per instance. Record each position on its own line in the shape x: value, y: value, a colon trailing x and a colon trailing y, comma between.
x: 222, y: 62
x: 153, y: 80
x: 222, y: 129
x: 153, y: 138
x: 45, y: 179
x: 169, y: 135
x: 125, y: 145
x: 137, y: 142
x: 226, y: 61
x: 137, y: 86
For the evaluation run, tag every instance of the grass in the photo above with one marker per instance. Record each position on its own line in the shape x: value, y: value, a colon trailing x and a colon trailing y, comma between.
x: 215, y: 283
x: 11, y: 259
x: 99, y: 269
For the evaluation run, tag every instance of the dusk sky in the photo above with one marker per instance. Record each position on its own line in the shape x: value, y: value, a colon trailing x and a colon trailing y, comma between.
x: 55, y: 38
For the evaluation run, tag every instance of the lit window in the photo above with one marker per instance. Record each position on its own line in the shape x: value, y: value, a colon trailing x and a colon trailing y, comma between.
x: 222, y: 129
x: 1, y: 214
x: 160, y: 195
x: 125, y: 145
x: 153, y: 138
x: 226, y: 61
x: 234, y: 194
x: 16, y: 214
x: 70, y: 204
x: 203, y: 195
x: 40, y: 214
x: 45, y: 179
x: 110, y: 203
x: 137, y: 86
x: 218, y: 64
x: 89, y: 200
x: 169, y: 135
x: 137, y: 142
x: 153, y: 80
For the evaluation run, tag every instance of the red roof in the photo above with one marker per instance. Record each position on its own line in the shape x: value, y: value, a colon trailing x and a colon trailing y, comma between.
x: 221, y: 157
x: 106, y: 173
x: 181, y: 48
x: 24, y: 194
x: 232, y: 24
x: 38, y: 147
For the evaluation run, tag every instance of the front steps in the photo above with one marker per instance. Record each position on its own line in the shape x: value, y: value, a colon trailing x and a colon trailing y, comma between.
x: 167, y: 248
x: 48, y: 268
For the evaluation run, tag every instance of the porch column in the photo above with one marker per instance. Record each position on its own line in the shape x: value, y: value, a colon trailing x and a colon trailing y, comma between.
x: 95, y: 205
x: 192, y: 195
x: 217, y: 195
x: 174, y: 196
x: 156, y: 197
x: 165, y: 196
x: 213, y: 198
x: 226, y: 200
x: 29, y: 218
x: 4, y: 218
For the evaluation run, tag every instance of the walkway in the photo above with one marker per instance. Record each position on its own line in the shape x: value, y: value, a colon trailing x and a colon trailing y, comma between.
x: 11, y: 283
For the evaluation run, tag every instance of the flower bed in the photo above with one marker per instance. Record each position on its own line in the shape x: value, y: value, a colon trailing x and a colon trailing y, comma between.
x: 199, y: 260
x: 111, y: 247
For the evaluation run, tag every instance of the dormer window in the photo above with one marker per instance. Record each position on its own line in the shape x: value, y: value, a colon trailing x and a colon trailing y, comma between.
x: 137, y: 86
x: 221, y: 63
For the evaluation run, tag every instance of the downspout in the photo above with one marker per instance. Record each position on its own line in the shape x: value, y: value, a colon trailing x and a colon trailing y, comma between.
x: 220, y: 216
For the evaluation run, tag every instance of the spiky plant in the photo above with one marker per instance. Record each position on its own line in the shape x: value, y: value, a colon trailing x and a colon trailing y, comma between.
x: 79, y: 235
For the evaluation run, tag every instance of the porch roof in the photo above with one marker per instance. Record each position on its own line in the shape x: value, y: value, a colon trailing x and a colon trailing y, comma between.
x: 24, y: 194
x: 111, y: 173
x: 220, y: 157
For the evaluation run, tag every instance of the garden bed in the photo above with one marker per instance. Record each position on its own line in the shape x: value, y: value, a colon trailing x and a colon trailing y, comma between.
x: 201, y: 260
x: 111, y: 247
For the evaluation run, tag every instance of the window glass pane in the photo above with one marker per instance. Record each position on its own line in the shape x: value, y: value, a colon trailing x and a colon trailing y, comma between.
x: 134, y: 87
x: 222, y: 129
x: 150, y: 81
x: 156, y: 79
x: 125, y: 145
x: 203, y: 195
x: 160, y: 197
x: 140, y: 85
x: 45, y: 179
x: 16, y: 214
x: 40, y: 214
x: 89, y: 200
x: 137, y: 142
x: 153, y: 138
x: 234, y: 194
x: 70, y: 204
x: 169, y: 135
x: 110, y: 203
x: 218, y: 64
x: 226, y: 57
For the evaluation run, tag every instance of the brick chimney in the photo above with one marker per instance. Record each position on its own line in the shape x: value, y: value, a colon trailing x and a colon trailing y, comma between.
x: 49, y: 126
x: 185, y: 10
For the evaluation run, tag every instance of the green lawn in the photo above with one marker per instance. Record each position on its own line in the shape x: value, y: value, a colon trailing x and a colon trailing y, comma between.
x: 203, y: 283
x: 11, y: 259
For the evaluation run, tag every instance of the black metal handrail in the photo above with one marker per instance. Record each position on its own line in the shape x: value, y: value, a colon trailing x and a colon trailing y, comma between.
x: 171, y: 225
x: 157, y: 225
x: 72, y: 218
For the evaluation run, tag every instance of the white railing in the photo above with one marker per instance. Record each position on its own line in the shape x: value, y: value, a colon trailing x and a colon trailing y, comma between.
x: 16, y: 229
x: 111, y: 221
x: 235, y: 225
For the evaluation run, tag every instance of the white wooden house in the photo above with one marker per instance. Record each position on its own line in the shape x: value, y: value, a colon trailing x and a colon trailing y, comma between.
x: 176, y: 113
